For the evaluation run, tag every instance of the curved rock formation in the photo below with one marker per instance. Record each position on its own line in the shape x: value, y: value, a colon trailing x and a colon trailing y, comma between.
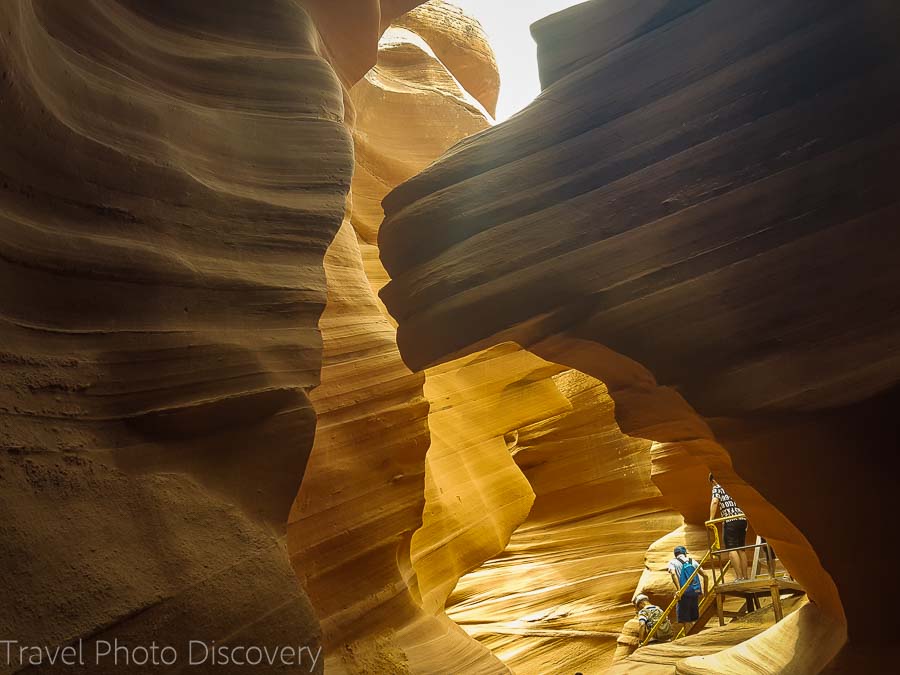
x: 172, y: 173
x: 556, y: 598
x: 710, y: 194
x: 363, y: 495
x: 461, y: 45
x: 475, y: 495
x: 351, y: 29
x: 718, y: 212
x: 408, y: 110
x: 751, y: 643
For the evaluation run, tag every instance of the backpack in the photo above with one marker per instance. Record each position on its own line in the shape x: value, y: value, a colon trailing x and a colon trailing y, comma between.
x: 653, y: 614
x: 687, y: 569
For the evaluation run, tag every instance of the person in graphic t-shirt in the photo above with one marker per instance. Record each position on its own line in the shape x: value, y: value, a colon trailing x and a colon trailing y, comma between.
x: 735, y: 528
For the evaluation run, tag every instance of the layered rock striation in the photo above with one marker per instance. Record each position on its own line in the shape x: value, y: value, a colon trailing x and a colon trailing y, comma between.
x: 475, y: 494
x: 555, y: 599
x: 698, y: 211
x: 171, y: 174
x: 363, y: 495
x: 689, y: 235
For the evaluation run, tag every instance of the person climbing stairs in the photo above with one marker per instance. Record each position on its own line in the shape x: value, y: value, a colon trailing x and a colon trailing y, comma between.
x: 770, y: 582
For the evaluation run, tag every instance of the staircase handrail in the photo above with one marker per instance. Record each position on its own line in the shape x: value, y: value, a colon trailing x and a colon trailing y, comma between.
x: 714, y: 546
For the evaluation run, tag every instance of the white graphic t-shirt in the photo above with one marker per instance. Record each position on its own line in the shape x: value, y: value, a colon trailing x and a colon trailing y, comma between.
x: 727, y: 506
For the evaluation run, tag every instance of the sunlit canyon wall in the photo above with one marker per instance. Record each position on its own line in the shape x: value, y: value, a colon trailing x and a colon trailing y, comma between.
x: 700, y: 211
x: 688, y: 237
x: 373, y: 500
x: 556, y: 598
x: 363, y: 495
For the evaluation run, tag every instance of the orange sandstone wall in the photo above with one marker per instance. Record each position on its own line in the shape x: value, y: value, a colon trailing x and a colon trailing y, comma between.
x: 708, y: 197
x: 475, y: 495
x: 459, y: 45
x: 363, y: 494
x: 555, y: 599
x: 350, y: 31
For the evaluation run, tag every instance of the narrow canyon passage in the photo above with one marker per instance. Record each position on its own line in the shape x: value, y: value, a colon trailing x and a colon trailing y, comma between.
x: 556, y: 597
x: 303, y: 353
x: 721, y: 222
x: 513, y: 441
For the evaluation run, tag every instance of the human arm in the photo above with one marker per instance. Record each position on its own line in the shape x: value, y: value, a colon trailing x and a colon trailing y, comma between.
x: 713, y: 507
x: 672, y: 574
x: 674, y: 578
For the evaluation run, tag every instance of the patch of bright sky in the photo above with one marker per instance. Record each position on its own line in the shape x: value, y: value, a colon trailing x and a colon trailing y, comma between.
x: 507, y: 23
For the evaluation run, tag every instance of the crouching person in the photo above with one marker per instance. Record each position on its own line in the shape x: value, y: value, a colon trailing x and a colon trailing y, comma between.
x: 649, y: 615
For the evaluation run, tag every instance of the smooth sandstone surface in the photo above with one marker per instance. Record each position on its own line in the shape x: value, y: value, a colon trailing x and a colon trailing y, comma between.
x: 697, y: 232
x: 461, y: 45
x: 555, y: 599
x: 364, y: 491
x: 751, y: 644
x: 702, y: 216
x: 350, y: 31
x: 408, y: 111
x: 362, y: 495
x: 475, y: 494
x: 171, y: 174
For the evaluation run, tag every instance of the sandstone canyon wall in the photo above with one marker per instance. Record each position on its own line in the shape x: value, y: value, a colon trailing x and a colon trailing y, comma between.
x: 363, y: 504
x: 556, y: 598
x: 699, y: 211
x: 172, y: 174
x: 701, y: 198
x: 363, y: 495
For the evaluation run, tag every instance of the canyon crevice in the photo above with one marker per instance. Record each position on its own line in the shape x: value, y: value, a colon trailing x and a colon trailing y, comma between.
x: 707, y: 226
x: 299, y: 347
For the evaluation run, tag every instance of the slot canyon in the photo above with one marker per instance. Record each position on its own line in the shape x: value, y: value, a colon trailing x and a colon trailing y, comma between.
x: 308, y: 355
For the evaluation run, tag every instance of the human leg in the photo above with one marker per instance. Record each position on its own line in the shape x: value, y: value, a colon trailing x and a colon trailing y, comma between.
x: 681, y: 615
x: 737, y: 565
x: 741, y: 534
x: 692, y: 612
x: 735, y: 536
x: 745, y: 567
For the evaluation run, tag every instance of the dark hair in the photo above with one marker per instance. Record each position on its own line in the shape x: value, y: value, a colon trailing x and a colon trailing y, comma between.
x: 712, y: 478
